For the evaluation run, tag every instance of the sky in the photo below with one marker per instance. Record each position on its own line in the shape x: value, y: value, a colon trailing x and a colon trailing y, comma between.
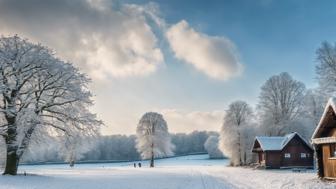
x: 187, y: 60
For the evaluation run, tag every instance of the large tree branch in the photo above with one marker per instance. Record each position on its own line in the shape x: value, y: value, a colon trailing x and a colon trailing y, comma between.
x: 56, y: 127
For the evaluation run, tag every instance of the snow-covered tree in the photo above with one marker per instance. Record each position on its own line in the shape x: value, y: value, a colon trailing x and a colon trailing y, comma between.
x: 236, y: 126
x: 211, y: 146
x: 153, y: 139
x: 74, y: 147
x: 38, y: 90
x: 313, y: 105
x: 248, y: 134
x: 326, y: 69
x: 280, y: 103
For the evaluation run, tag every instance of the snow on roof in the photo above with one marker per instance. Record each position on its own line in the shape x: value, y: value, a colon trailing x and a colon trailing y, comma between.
x: 288, y: 138
x: 331, y: 103
x: 269, y: 143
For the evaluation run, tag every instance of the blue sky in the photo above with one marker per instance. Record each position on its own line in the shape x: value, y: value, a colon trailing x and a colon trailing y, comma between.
x: 269, y: 37
x: 272, y: 36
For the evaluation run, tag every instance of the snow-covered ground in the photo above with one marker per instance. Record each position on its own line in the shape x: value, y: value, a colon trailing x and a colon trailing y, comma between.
x: 188, y: 172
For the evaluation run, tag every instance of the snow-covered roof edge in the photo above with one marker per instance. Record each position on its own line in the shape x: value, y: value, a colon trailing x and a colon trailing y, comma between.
x: 287, y: 138
x: 331, y: 103
x: 293, y: 135
x: 257, y: 138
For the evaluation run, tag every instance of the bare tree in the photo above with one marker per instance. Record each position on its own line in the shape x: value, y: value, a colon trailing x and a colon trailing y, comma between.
x: 153, y: 139
x: 39, y: 91
x: 232, y: 135
x: 280, y: 103
x: 314, y: 104
x: 326, y: 68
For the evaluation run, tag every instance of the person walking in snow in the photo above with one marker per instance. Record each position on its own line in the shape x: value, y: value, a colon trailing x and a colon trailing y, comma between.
x: 139, y: 164
x: 134, y: 165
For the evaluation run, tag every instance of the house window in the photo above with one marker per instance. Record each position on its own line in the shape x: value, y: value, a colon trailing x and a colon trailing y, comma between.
x: 303, y: 155
x: 287, y: 155
x: 332, y: 150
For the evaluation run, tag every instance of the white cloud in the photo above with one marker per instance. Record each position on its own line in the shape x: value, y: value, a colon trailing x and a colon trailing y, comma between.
x: 184, y: 121
x: 103, y: 39
x: 214, y: 56
x: 107, y: 38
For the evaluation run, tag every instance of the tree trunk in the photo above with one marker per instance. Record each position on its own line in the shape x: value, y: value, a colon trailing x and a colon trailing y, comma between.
x: 25, y: 141
x: 152, y: 157
x: 12, y: 162
x: 72, y: 163
x: 245, y: 158
x: 12, y: 159
x: 239, y: 150
x: 152, y: 161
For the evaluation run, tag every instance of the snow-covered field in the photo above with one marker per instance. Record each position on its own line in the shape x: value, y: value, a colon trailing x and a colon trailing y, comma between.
x: 188, y: 172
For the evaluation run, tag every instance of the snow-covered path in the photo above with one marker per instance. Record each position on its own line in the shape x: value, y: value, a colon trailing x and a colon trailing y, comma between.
x: 248, y: 178
x: 176, y: 173
x: 118, y: 178
x: 191, y: 177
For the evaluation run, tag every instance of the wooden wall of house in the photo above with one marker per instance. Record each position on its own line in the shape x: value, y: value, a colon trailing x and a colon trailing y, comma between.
x: 329, y: 164
x: 273, y: 159
x: 331, y: 132
x: 295, y: 147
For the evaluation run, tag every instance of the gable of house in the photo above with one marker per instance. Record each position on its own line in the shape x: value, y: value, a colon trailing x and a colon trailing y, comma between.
x: 294, y: 140
x: 327, y: 125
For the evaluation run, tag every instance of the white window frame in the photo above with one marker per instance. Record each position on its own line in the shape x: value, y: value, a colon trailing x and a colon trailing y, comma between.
x: 287, y: 155
x: 303, y: 155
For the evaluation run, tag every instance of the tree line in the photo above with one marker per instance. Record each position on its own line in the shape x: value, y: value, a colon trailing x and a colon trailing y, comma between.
x: 121, y: 148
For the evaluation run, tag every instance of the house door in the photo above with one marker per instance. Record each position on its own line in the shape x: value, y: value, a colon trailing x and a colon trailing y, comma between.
x: 261, y: 157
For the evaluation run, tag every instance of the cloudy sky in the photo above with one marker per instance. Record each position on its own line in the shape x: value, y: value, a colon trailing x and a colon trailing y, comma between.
x: 185, y: 59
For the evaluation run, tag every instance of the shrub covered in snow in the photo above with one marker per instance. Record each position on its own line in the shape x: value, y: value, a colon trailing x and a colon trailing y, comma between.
x: 211, y: 146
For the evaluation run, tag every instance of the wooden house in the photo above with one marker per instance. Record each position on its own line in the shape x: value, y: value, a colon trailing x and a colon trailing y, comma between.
x: 324, y: 141
x: 288, y: 151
